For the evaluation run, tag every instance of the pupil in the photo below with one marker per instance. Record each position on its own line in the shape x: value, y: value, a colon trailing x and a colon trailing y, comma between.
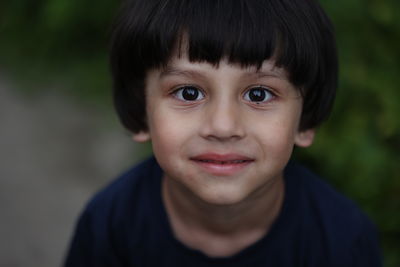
x: 257, y: 95
x: 190, y: 93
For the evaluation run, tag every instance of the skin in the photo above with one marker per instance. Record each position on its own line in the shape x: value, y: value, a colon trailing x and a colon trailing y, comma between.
x: 222, y: 212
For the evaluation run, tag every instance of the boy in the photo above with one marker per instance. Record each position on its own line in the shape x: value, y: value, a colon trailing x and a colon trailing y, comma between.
x: 224, y: 89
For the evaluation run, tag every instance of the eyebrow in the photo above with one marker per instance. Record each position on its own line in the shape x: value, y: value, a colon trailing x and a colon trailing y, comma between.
x: 178, y: 72
x: 169, y: 70
x: 267, y: 74
x: 262, y: 74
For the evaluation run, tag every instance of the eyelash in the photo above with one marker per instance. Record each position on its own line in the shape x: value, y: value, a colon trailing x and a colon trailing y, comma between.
x: 197, y: 94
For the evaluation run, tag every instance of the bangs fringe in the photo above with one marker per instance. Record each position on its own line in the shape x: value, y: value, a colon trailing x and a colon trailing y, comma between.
x: 243, y: 31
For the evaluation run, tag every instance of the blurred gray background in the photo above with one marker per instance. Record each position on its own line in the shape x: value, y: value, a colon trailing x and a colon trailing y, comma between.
x: 54, y: 153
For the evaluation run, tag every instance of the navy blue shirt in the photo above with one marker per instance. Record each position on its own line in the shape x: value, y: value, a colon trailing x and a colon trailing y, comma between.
x: 126, y: 225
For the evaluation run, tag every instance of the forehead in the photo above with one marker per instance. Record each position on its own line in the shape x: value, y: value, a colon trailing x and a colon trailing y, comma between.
x: 180, y: 64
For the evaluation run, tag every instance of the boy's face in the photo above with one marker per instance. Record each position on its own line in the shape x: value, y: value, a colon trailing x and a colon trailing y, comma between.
x: 222, y: 132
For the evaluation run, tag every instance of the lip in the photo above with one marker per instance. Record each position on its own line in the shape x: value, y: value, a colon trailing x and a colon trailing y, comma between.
x: 222, y: 164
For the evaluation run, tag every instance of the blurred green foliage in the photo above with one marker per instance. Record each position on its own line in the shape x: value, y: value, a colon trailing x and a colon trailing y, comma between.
x: 358, y: 149
x: 64, y: 43
x: 57, y: 43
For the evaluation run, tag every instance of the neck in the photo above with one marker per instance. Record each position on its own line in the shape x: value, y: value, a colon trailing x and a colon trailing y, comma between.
x: 221, y: 230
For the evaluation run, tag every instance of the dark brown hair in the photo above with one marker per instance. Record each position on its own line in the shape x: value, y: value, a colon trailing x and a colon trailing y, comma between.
x: 297, y: 34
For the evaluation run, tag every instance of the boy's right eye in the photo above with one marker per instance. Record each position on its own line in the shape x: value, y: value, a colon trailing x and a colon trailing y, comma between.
x: 188, y: 93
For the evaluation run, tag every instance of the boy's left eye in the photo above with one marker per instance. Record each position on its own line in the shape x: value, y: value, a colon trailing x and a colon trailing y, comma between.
x: 188, y: 93
x: 258, y: 94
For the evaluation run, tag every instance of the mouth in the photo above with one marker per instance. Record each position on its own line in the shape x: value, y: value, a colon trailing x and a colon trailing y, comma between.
x: 238, y: 161
x: 222, y: 164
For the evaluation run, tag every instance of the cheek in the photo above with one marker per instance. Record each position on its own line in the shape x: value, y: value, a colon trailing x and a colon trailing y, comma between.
x: 165, y: 137
x: 168, y: 133
x: 277, y: 138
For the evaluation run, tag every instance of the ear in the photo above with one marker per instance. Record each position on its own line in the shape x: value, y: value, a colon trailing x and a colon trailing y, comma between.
x: 304, y: 138
x: 141, y: 137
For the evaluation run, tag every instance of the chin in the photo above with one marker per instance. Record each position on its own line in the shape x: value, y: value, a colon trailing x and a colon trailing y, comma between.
x: 226, y: 198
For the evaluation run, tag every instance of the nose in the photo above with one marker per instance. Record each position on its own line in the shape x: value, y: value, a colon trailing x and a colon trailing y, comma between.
x: 223, y: 121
